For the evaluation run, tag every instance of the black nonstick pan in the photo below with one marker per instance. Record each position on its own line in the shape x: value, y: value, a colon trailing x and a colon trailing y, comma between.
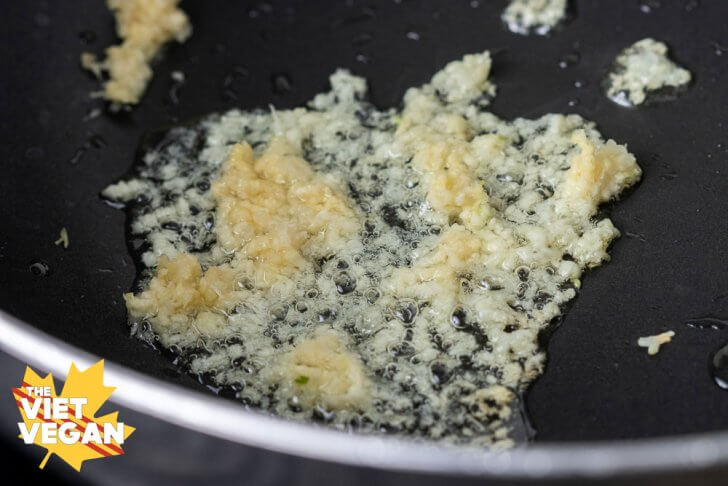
x: 667, y: 271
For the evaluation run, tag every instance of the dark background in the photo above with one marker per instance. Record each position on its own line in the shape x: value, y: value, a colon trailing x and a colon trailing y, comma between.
x: 669, y: 267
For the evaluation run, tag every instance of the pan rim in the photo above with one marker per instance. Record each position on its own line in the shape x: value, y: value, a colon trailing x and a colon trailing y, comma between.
x: 225, y: 420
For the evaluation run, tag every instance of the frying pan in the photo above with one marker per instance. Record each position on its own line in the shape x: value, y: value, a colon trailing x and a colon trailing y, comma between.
x: 600, y: 392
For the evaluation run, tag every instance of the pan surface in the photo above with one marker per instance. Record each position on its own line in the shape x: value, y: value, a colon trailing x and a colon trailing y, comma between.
x: 668, y: 267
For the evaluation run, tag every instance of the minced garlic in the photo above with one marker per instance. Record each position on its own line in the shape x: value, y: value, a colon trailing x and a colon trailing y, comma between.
x: 322, y: 371
x: 275, y: 212
x: 62, y: 238
x: 598, y: 172
x: 376, y: 269
x: 642, y: 69
x: 144, y: 26
x: 653, y: 343
x: 278, y: 213
x: 537, y: 16
x: 183, y: 296
x: 451, y: 187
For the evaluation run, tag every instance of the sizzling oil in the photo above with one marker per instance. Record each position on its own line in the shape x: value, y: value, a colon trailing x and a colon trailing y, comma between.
x: 471, y: 236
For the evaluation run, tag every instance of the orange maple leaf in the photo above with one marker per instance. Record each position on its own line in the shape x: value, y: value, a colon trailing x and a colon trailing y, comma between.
x: 87, y: 384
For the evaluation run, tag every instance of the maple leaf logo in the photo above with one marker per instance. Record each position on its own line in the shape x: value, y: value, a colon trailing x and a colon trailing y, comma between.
x: 75, y: 436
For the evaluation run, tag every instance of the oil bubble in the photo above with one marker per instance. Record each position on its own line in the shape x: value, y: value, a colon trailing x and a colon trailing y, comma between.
x: 406, y: 311
x: 345, y: 283
x: 570, y: 59
x: 458, y: 318
x: 282, y: 83
x: 279, y: 312
x: 719, y: 367
x: 371, y: 295
x: 39, y: 268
